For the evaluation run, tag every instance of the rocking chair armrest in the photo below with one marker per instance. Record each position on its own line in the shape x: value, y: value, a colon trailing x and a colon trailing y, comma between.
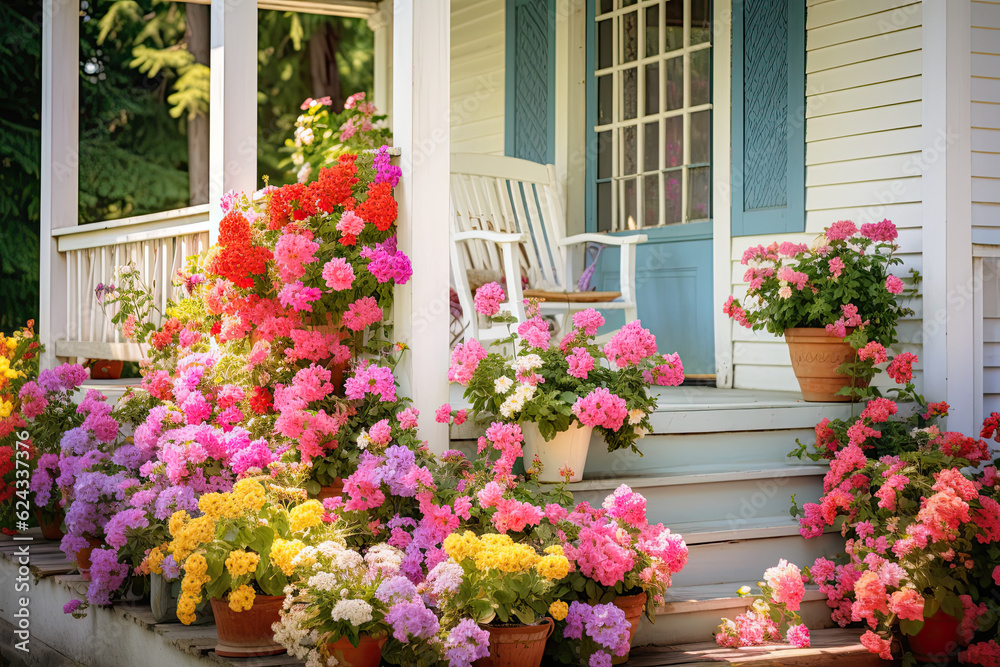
x: 605, y: 239
x: 486, y: 235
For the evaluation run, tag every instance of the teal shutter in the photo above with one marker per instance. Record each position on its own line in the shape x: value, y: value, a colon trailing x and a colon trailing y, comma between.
x: 768, y: 114
x: 529, y: 118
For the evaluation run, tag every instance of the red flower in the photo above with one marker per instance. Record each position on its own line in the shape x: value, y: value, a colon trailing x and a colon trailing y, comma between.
x: 991, y: 427
x: 261, y: 401
x: 380, y: 207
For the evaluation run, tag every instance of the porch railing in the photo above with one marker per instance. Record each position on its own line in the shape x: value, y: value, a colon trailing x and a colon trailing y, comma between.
x: 158, y: 244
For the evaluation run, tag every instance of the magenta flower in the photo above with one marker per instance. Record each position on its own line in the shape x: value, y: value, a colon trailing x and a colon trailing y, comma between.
x: 488, y: 299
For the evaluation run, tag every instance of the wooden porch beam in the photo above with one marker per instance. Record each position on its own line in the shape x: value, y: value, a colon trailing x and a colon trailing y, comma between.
x: 233, y: 103
x: 421, y: 93
x: 60, y: 163
x: 347, y: 8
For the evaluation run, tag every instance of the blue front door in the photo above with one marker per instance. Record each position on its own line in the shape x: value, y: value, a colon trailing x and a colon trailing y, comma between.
x: 649, y: 167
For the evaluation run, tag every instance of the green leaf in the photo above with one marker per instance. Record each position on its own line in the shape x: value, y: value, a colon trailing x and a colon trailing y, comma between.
x: 909, y: 627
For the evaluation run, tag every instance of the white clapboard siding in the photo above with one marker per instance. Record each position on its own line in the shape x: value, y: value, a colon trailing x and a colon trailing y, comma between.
x: 477, y: 76
x: 985, y: 89
x: 864, y: 138
x: 991, y: 336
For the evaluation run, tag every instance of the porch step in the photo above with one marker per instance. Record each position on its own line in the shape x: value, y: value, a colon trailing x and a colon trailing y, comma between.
x: 835, y: 646
x: 692, y: 613
x: 726, y: 493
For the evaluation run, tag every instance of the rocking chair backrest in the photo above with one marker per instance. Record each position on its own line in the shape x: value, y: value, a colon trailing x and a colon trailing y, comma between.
x: 504, y: 194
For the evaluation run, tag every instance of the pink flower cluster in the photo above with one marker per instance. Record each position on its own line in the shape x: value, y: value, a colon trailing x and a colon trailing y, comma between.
x: 630, y: 345
x: 850, y: 318
x: 601, y: 408
x: 488, y: 299
x: 465, y: 360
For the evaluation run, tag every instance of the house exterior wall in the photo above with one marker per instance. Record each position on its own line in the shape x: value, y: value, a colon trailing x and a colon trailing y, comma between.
x: 864, y: 138
x: 477, y: 76
x: 991, y: 336
x: 985, y: 54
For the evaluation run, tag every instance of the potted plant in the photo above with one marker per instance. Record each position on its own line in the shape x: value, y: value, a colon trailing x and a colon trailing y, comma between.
x: 618, y: 556
x: 240, y: 554
x: 816, y: 296
x: 773, y: 612
x: 506, y: 587
x: 560, y: 393
x: 920, y: 510
x: 338, y: 607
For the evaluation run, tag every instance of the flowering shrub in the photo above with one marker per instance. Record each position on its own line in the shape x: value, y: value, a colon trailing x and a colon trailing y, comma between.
x: 575, y: 381
x: 840, y: 282
x: 321, y: 137
x: 18, y: 366
x: 774, y: 608
x: 920, y: 510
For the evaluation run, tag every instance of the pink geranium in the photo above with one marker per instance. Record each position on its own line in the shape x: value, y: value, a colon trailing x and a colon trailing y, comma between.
x: 535, y: 332
x: 338, y: 274
x: 630, y: 345
x: 601, y: 408
x: 350, y: 223
x: 488, y: 299
x: 362, y: 313
x: 785, y: 581
x: 291, y: 253
x: 580, y: 363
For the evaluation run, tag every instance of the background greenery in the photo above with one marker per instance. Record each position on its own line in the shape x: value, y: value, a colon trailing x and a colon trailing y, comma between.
x: 143, y: 93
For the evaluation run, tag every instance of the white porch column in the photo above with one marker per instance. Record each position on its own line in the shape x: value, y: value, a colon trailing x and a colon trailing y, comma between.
x: 380, y: 24
x: 60, y: 163
x: 420, y: 99
x: 948, y: 308
x: 232, y: 154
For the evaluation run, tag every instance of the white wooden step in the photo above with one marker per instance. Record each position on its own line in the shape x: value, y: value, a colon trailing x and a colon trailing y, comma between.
x: 692, y: 613
x: 719, y: 494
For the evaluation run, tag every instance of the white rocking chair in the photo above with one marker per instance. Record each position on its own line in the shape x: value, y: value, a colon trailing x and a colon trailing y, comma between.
x: 507, y: 219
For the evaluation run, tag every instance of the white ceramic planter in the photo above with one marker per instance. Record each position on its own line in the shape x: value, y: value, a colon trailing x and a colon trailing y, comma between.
x: 567, y: 448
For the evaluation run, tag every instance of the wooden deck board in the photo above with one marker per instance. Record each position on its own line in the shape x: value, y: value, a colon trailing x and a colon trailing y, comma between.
x: 829, y: 647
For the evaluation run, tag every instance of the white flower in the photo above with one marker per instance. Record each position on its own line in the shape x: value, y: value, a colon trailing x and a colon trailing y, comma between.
x: 347, y: 560
x: 355, y: 612
x: 515, y: 402
x: 304, y: 135
x: 364, y: 440
x: 527, y: 363
x: 635, y: 416
x: 324, y: 581
x: 329, y: 548
x: 502, y: 384
x: 304, y: 171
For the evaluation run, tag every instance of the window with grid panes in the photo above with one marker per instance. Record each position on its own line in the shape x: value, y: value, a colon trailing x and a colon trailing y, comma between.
x: 653, y: 69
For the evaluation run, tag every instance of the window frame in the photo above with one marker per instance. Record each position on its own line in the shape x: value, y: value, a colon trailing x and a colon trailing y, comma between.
x: 617, y: 123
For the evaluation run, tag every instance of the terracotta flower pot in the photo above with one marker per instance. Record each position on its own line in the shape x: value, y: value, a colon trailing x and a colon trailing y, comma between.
x: 632, y: 605
x: 83, y: 558
x: 517, y: 645
x: 106, y: 369
x: 815, y: 357
x: 937, y: 641
x: 51, y: 523
x: 567, y: 448
x: 331, y: 490
x: 163, y: 596
x: 244, y: 634
x: 368, y: 652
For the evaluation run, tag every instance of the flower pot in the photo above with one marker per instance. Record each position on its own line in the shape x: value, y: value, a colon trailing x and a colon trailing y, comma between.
x: 517, y: 645
x: 632, y: 605
x: 244, y: 634
x: 163, y: 596
x: 368, y: 652
x: 51, y: 523
x: 83, y: 558
x: 567, y: 448
x: 937, y: 641
x: 106, y: 369
x: 816, y: 355
x: 331, y: 490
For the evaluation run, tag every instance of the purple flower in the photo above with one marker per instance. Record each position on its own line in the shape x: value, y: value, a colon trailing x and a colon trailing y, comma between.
x: 604, y: 623
x: 169, y: 567
x: 600, y: 659
x: 255, y: 455
x: 395, y: 590
x: 385, y: 172
x: 466, y: 643
x: 412, y: 619
x: 71, y: 606
x: 106, y: 575
x: 173, y: 499
x: 115, y: 529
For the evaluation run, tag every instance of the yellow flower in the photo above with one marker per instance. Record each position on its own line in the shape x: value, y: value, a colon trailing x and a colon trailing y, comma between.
x: 760, y: 606
x: 558, y: 610
x: 6, y: 407
x: 240, y: 562
x: 284, y: 552
x: 249, y: 495
x: 241, y: 599
x: 218, y: 505
x: 553, y: 566
x: 306, y: 515
x: 555, y: 549
x: 177, y: 521
x: 743, y: 590
x: 459, y: 547
x: 196, y: 565
x: 154, y: 560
